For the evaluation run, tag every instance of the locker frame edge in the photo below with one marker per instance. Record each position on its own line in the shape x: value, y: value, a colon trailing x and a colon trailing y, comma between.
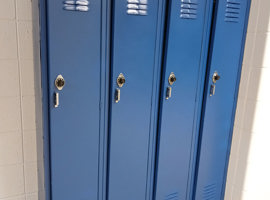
x: 104, y: 90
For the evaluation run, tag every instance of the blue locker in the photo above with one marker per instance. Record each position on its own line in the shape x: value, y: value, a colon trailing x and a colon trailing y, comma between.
x: 135, y: 54
x: 74, y: 70
x: 188, y: 28
x: 225, y: 61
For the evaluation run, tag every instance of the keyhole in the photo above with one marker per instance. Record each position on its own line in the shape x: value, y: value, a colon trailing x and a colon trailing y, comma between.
x: 215, y: 77
x: 122, y: 80
x: 60, y: 82
x: 173, y: 79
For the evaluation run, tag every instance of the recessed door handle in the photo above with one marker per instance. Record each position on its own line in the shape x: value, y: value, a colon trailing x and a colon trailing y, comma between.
x: 215, y: 78
x: 171, y: 80
x: 121, y: 80
x: 56, y: 99
x: 117, y: 95
x: 168, y: 92
x: 59, y: 84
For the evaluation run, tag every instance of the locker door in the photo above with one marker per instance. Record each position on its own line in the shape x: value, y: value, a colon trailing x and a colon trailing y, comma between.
x: 221, y: 95
x: 74, y: 46
x: 136, y: 40
x: 187, y: 42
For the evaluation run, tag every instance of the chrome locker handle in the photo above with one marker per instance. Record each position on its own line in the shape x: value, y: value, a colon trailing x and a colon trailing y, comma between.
x: 56, y: 99
x: 121, y: 80
x: 117, y: 95
x: 59, y: 84
x: 215, y: 78
x: 168, y: 92
x: 171, y: 80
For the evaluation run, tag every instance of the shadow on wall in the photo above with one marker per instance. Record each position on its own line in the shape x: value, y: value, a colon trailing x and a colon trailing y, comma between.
x: 38, y: 97
x: 250, y: 145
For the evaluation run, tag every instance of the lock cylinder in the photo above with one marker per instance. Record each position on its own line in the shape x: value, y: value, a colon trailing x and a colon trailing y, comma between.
x: 172, y: 78
x: 121, y: 80
x: 215, y: 77
x: 59, y: 82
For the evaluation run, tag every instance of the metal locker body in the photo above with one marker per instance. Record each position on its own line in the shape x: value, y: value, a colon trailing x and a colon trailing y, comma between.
x: 225, y: 59
x: 185, y: 56
x: 135, y: 46
x: 74, y: 52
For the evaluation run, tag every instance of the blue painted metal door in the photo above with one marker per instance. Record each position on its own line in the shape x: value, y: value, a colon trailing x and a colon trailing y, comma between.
x: 74, y: 51
x: 221, y: 95
x: 187, y: 44
x: 135, y: 55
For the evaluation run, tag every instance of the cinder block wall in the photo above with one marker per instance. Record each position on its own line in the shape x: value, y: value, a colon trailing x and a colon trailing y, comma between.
x: 20, y: 101
x: 249, y: 167
x: 21, y: 167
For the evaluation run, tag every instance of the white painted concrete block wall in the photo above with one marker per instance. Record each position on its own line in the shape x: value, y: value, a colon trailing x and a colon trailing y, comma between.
x: 20, y: 101
x: 249, y: 167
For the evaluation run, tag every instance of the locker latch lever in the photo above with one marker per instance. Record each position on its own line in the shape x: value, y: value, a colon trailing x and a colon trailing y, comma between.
x: 121, y: 80
x: 215, y: 78
x: 56, y: 99
x: 59, y: 84
x: 168, y: 92
x: 117, y: 95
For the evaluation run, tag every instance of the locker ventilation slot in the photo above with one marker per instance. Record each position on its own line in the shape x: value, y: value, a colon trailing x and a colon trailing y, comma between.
x: 172, y: 196
x: 189, y: 9
x: 209, y: 192
x: 137, y: 7
x: 78, y: 5
x: 232, y: 13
